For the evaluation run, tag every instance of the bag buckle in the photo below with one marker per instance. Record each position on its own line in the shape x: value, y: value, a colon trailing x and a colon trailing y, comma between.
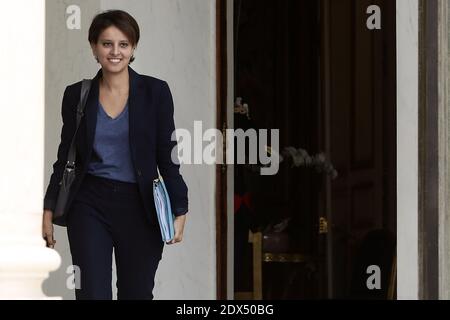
x: 70, y: 166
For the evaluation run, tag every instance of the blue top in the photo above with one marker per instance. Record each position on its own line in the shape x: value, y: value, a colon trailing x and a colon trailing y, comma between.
x: 111, y: 157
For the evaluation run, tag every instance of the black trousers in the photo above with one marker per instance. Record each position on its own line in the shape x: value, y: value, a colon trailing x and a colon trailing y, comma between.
x: 108, y: 214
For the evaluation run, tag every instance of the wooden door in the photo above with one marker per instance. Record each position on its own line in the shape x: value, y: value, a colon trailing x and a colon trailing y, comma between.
x: 357, y: 130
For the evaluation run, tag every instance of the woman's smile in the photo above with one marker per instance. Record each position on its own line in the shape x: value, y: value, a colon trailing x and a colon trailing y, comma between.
x: 114, y: 60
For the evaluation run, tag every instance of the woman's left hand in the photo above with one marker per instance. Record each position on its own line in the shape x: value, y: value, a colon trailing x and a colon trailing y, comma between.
x: 179, y: 227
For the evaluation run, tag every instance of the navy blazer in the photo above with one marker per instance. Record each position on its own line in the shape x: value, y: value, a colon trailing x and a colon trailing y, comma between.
x: 151, y: 125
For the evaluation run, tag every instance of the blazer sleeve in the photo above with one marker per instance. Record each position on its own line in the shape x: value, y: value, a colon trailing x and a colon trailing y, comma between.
x: 169, y: 170
x: 67, y: 131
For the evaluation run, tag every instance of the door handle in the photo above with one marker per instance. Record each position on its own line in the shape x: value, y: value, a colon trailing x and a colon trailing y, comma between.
x: 323, y: 225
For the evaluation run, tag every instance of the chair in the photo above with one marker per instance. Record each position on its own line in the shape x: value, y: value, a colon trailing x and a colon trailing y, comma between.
x: 260, y: 256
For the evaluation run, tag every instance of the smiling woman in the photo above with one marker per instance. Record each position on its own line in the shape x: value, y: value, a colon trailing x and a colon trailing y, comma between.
x: 117, y: 25
x: 113, y: 38
x: 122, y: 138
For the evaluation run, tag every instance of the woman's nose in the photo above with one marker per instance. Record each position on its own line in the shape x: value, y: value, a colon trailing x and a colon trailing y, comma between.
x: 115, y: 50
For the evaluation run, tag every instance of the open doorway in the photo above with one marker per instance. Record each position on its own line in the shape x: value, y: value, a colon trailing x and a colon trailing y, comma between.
x: 313, y: 70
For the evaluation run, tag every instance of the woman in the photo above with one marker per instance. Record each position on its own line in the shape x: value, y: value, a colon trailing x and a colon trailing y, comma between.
x: 123, y: 139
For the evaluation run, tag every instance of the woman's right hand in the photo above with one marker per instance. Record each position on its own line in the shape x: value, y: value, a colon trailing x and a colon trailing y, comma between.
x: 47, y: 228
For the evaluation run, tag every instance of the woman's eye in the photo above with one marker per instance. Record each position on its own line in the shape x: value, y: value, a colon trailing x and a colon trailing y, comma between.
x: 124, y: 45
x: 106, y: 44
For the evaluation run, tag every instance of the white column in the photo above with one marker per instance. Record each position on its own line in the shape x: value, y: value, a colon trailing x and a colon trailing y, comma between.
x: 25, y: 262
x: 407, y: 149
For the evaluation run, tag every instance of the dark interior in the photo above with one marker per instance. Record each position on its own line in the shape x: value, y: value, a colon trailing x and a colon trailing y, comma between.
x: 313, y: 70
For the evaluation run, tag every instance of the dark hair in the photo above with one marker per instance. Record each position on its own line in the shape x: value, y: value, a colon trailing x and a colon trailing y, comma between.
x: 118, y: 18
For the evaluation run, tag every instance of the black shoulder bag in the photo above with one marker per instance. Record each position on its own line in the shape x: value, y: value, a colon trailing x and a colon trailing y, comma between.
x: 69, y: 170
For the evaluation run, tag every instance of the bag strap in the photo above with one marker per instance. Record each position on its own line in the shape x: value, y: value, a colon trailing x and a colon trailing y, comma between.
x: 85, y: 88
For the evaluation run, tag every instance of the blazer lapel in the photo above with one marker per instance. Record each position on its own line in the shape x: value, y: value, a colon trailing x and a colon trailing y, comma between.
x: 91, y: 114
x: 136, y: 105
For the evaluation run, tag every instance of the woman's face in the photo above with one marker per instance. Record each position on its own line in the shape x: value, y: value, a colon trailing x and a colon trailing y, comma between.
x: 113, y: 50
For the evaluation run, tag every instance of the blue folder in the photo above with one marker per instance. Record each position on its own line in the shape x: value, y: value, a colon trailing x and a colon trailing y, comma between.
x: 163, y: 210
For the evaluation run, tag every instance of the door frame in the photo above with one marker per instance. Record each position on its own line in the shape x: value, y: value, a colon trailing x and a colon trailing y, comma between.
x: 443, y: 79
x: 222, y: 231
x: 325, y: 101
x: 434, y: 150
x: 428, y: 151
x: 411, y: 206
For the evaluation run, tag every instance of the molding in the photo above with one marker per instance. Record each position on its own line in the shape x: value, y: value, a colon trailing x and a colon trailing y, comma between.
x: 428, y: 151
x: 221, y: 181
x: 444, y: 148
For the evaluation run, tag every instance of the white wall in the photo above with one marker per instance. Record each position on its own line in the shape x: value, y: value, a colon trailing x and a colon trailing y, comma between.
x: 178, y: 45
x: 68, y: 60
x: 407, y: 148
x: 24, y: 260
